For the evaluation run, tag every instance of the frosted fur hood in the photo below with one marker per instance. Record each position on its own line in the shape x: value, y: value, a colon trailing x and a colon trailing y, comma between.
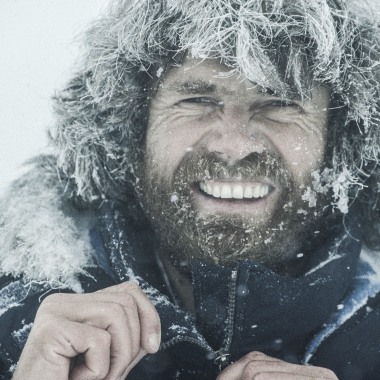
x: 284, y: 45
x: 42, y: 237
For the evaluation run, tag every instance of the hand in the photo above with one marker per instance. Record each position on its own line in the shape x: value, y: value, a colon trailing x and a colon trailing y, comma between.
x: 258, y: 366
x: 100, y: 335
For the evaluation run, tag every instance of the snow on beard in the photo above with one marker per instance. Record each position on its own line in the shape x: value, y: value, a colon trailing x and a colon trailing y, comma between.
x: 186, y: 233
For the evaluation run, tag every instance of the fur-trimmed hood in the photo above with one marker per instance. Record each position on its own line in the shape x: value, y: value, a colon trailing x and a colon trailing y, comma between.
x: 283, y: 45
x: 42, y: 236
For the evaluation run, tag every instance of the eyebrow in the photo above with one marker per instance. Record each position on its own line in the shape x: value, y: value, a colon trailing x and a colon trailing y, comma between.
x: 199, y: 86
x: 292, y: 95
x: 192, y: 87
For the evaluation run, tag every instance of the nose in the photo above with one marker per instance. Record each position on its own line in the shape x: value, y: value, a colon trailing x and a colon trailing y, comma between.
x: 234, y: 136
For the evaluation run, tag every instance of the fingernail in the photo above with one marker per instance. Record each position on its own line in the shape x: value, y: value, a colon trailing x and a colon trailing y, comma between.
x: 154, y: 342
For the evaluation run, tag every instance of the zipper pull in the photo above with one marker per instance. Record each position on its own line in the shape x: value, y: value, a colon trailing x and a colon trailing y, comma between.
x: 222, y: 361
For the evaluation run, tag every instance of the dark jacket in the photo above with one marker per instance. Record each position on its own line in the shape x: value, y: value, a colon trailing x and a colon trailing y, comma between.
x: 328, y: 317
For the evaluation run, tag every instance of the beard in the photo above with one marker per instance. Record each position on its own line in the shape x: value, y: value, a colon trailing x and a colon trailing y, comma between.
x: 187, y: 233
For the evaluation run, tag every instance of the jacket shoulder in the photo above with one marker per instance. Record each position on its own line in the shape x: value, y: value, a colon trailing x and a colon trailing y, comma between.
x: 352, y: 349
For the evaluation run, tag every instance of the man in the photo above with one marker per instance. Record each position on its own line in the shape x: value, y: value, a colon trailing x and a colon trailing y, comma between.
x: 215, y: 200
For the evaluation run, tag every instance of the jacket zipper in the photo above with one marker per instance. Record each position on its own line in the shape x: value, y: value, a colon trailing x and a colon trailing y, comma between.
x: 223, y: 353
x: 178, y: 339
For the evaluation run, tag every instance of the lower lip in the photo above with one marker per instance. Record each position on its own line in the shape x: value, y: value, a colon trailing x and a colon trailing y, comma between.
x: 253, y: 207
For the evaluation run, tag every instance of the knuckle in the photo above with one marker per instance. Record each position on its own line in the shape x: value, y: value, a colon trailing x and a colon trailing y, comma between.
x: 54, y: 298
x: 102, y: 338
x: 255, y: 355
x: 47, y: 350
x: 48, y: 305
x: 129, y: 301
x: 43, y: 310
x: 113, y: 308
x: 253, y: 371
x: 46, y: 339
x: 132, y: 286
x: 250, y: 369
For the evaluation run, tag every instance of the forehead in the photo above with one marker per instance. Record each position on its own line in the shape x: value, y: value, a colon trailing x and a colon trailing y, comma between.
x: 209, y: 76
x: 205, y: 76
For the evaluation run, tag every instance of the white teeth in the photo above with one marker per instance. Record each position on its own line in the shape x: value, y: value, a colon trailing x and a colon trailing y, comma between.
x: 216, y: 192
x: 256, y: 192
x: 226, y: 191
x: 248, y: 193
x: 237, y: 192
x: 264, y: 190
x: 231, y: 190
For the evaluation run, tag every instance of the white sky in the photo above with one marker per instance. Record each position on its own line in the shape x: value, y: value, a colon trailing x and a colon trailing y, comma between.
x: 36, y: 55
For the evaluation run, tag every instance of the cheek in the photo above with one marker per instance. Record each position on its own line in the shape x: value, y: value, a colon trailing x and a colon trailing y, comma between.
x: 302, y: 151
x: 305, y: 156
x: 170, y: 138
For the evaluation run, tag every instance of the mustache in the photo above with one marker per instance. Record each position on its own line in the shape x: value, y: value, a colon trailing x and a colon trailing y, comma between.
x: 211, y: 165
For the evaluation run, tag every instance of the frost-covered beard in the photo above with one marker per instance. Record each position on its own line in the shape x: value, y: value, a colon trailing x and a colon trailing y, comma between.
x: 186, y: 232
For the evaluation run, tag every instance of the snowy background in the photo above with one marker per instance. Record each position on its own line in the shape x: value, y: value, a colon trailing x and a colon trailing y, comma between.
x: 37, y: 51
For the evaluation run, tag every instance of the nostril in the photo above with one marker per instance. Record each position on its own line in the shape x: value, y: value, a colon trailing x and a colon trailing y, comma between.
x: 226, y: 158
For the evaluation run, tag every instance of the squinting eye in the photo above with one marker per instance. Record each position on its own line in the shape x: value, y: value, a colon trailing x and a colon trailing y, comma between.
x: 282, y: 103
x: 199, y: 100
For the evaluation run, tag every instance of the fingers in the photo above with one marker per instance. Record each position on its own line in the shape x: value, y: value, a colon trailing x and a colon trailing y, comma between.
x: 120, y: 321
x: 95, y: 345
x: 148, y: 316
x: 97, y: 335
x: 235, y: 371
x: 51, y: 346
x: 256, y: 365
x: 124, y: 311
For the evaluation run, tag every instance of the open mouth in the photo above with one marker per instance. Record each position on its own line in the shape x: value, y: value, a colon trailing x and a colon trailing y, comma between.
x: 235, y: 190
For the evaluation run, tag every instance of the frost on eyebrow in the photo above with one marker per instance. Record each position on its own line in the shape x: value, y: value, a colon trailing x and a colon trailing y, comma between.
x: 191, y: 87
x: 199, y: 86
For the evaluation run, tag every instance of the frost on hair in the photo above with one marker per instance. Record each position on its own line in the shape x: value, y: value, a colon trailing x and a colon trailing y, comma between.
x: 284, y: 45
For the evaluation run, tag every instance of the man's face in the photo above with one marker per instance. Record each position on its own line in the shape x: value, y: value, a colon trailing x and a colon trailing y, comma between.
x: 227, y: 163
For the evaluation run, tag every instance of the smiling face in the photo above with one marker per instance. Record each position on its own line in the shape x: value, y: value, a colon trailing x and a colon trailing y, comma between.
x: 227, y: 164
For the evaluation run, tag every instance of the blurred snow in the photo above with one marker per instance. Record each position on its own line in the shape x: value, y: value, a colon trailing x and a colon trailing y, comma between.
x: 36, y: 54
